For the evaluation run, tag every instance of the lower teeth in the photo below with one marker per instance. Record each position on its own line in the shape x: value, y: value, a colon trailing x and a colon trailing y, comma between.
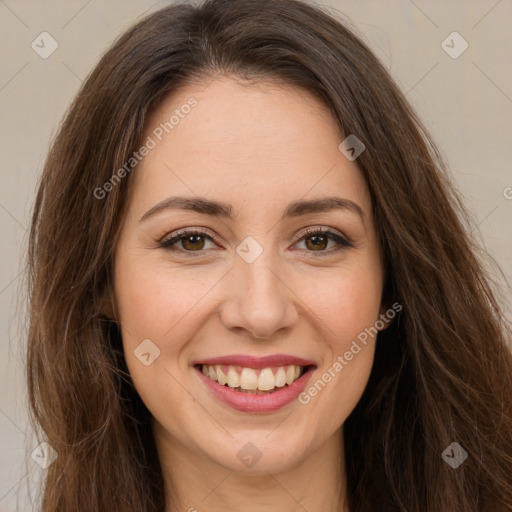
x: 255, y: 391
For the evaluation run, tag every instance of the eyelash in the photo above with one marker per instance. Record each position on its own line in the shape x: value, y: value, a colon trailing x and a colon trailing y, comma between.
x: 166, y: 243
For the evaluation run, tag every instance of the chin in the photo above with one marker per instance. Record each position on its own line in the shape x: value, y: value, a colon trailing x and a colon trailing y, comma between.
x: 258, y: 455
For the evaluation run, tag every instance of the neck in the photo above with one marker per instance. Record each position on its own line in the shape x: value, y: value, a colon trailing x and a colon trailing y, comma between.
x: 194, y: 482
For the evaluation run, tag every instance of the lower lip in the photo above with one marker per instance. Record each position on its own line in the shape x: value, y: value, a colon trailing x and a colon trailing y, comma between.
x: 248, y: 402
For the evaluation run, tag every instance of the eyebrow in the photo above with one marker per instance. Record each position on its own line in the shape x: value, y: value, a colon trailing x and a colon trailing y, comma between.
x: 206, y: 206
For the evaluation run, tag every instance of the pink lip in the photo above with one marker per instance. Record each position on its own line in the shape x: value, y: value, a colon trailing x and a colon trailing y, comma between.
x: 256, y: 362
x: 246, y: 402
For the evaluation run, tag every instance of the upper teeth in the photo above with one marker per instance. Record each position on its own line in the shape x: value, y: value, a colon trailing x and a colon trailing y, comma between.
x: 249, y: 379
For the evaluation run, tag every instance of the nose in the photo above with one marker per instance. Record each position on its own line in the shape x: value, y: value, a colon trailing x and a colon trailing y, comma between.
x: 258, y: 298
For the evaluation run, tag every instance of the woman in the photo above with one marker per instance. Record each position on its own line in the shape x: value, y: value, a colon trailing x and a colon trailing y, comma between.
x: 252, y: 286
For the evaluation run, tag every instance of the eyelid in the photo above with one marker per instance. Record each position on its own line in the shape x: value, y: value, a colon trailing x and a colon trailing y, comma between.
x: 168, y: 240
x: 342, y: 241
x: 199, y: 230
x: 321, y: 229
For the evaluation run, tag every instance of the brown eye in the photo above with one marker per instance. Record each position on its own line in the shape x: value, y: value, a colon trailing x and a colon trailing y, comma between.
x: 192, y: 242
x: 189, y: 241
x: 317, y: 242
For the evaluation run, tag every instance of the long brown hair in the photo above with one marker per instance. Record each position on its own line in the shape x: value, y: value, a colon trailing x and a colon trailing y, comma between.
x: 442, y: 370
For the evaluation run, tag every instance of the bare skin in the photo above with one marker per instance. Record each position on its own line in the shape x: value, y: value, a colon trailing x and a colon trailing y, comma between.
x: 257, y: 148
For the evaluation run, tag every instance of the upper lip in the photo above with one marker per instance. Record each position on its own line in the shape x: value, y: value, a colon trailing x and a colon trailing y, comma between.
x: 256, y: 362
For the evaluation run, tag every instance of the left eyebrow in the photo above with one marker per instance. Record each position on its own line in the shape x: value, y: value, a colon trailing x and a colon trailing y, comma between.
x: 322, y: 205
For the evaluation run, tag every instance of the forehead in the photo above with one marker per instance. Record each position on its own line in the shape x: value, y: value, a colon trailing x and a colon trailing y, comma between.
x: 234, y: 140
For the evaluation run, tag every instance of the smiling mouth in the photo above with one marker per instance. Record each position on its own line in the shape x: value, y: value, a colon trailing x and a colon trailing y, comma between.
x: 262, y: 381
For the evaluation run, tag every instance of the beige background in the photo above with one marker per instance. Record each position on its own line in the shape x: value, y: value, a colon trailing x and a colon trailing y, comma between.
x: 466, y: 102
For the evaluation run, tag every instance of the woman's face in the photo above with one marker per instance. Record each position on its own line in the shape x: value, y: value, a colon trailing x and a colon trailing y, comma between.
x: 253, y: 284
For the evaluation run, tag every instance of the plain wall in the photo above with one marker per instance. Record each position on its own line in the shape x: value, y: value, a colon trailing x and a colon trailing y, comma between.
x: 466, y: 102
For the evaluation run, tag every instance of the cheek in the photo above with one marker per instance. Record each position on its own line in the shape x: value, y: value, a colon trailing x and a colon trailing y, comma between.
x: 347, y: 301
x: 347, y: 305
x: 154, y: 300
x: 158, y: 305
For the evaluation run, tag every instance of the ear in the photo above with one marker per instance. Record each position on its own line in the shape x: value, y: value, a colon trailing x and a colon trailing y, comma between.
x: 384, y: 320
x: 106, y: 307
x: 387, y: 313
